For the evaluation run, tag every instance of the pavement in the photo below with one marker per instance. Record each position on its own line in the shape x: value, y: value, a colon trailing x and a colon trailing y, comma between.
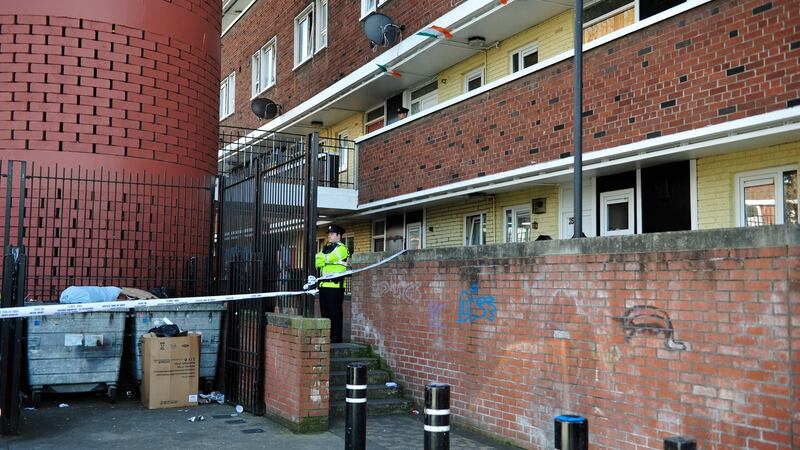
x: 92, y: 422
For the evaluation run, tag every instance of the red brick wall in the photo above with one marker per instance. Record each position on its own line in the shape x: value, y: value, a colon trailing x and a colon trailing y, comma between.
x: 297, y: 369
x: 633, y: 90
x: 133, y: 85
x: 512, y: 375
x: 347, y: 49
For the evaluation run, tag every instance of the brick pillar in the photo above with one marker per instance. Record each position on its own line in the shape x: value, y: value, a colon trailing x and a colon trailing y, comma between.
x: 297, y: 372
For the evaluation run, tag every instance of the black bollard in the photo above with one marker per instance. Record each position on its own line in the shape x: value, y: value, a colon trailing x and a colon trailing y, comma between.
x: 571, y: 433
x: 680, y: 443
x: 437, y: 416
x: 356, y: 407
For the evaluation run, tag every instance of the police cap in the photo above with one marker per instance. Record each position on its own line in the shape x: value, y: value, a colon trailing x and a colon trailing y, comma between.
x: 333, y: 228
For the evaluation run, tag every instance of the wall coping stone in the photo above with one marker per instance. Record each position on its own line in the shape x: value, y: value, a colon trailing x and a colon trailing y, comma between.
x: 675, y: 241
x: 298, y: 322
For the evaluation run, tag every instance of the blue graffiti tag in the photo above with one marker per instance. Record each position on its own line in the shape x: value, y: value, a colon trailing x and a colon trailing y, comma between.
x: 473, y: 308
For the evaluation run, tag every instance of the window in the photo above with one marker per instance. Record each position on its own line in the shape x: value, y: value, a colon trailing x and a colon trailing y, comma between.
x: 322, y: 24
x: 368, y: 6
x: 414, y: 236
x: 378, y: 235
x: 344, y: 141
x: 424, y: 97
x: 616, y: 212
x: 304, y: 36
x: 767, y: 197
x: 597, y: 9
x: 263, y: 68
x: 518, y: 224
x: 473, y: 80
x: 374, y: 119
x: 524, y: 57
x: 475, y: 229
x: 227, y: 96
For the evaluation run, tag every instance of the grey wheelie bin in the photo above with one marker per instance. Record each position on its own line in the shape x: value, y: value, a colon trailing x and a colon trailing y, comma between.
x: 75, y: 352
x: 203, y: 318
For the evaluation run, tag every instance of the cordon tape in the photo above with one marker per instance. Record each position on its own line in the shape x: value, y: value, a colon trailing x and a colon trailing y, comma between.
x: 62, y: 308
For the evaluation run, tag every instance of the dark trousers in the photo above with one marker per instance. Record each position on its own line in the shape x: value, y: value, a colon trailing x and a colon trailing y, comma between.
x: 330, y: 305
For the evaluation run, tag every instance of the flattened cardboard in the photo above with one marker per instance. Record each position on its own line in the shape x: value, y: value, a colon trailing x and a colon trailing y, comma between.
x: 170, y: 370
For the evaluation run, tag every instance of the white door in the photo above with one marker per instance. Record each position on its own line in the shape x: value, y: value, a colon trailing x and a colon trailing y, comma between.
x: 414, y: 236
x: 567, y: 219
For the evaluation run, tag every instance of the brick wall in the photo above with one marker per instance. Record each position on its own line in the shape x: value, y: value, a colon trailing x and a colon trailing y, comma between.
x: 525, y: 332
x: 297, y: 371
x: 347, y: 49
x: 111, y: 86
x: 721, y: 61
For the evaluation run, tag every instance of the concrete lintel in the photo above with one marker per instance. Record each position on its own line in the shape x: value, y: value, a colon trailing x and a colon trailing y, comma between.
x: 723, y: 238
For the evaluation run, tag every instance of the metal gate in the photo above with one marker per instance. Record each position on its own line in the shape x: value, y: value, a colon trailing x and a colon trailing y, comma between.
x: 267, y: 220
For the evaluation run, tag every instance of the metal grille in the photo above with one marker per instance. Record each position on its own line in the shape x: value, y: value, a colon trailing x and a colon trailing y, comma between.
x: 263, y: 240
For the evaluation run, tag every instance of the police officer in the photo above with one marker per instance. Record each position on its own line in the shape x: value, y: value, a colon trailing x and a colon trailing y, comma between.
x: 333, y: 259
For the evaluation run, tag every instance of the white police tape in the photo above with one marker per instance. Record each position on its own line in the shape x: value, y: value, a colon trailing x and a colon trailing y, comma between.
x: 74, y: 308
x: 312, y: 281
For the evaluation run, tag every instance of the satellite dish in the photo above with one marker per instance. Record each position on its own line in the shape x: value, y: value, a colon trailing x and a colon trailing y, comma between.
x: 264, y: 108
x: 380, y: 30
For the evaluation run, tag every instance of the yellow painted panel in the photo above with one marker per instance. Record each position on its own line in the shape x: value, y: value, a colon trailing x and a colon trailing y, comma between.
x: 716, y: 180
x: 448, y: 221
x: 360, y: 230
x: 353, y: 126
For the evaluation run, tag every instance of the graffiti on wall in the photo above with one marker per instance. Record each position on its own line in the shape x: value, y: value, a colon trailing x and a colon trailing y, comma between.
x: 435, y: 315
x: 472, y: 307
x: 404, y: 290
x: 643, y: 319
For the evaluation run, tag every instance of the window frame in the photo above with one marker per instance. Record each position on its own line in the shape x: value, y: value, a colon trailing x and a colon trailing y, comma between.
x: 525, y: 50
x: 342, y: 138
x: 481, y: 215
x: 307, y: 13
x: 776, y: 173
x: 228, y: 84
x: 373, y: 121
x: 432, y: 95
x: 321, y: 34
x: 255, y: 92
x: 378, y: 236
x: 513, y: 210
x: 616, y: 197
x: 408, y: 227
x: 480, y: 72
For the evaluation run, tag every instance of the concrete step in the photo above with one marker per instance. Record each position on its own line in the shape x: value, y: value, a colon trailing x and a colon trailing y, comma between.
x: 339, y: 378
x: 374, y: 392
x: 340, y: 364
x: 376, y: 407
x: 347, y: 350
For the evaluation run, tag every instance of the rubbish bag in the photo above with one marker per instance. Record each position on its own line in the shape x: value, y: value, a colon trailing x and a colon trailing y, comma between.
x: 88, y: 294
x: 166, y: 330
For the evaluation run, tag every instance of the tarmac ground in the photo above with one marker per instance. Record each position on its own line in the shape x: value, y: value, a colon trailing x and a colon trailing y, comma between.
x: 90, y: 421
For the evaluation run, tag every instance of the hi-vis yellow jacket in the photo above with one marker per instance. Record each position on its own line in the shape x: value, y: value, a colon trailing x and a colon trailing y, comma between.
x: 332, y: 259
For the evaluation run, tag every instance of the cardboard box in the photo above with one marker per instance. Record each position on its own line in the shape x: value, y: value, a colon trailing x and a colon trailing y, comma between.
x: 170, y: 368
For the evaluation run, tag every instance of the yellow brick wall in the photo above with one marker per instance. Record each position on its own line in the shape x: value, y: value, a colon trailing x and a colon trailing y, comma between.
x: 447, y: 221
x: 547, y: 222
x: 360, y: 230
x: 553, y: 36
x: 716, y: 180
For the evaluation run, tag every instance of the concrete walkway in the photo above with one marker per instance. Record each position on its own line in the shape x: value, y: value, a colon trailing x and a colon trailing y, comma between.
x: 91, y: 422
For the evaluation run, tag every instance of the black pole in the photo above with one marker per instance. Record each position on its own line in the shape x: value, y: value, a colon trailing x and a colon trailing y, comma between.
x: 437, y: 416
x: 312, y: 155
x: 578, y: 166
x: 571, y: 433
x: 355, y: 435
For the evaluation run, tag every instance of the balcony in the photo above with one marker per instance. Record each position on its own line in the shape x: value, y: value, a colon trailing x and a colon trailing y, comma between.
x: 242, y: 152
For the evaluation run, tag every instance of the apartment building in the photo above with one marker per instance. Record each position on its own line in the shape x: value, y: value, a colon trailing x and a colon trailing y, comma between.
x: 691, y: 113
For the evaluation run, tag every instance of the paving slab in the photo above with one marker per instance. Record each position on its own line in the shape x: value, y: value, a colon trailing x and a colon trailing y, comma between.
x: 92, y: 422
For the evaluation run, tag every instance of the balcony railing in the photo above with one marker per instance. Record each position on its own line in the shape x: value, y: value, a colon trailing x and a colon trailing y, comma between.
x: 241, y: 148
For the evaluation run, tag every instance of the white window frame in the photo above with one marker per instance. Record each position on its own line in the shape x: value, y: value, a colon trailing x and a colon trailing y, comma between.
x: 776, y: 174
x: 514, y: 210
x: 432, y: 96
x: 612, y: 198
x: 369, y: 110
x: 306, y: 14
x: 257, y: 69
x: 370, y: 6
x: 467, y: 224
x: 344, y: 152
x: 409, y: 227
x: 227, y: 96
x: 521, y: 53
x: 473, y: 74
x: 321, y: 25
x: 378, y: 236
